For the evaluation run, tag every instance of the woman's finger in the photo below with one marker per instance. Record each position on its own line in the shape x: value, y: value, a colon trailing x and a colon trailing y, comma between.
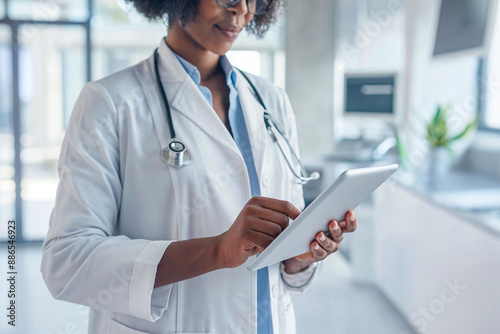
x: 277, y: 205
x: 259, y: 239
x: 273, y: 216
x: 270, y: 228
x: 352, y: 222
x: 336, y: 231
x: 318, y: 252
x: 326, y: 243
x: 349, y: 223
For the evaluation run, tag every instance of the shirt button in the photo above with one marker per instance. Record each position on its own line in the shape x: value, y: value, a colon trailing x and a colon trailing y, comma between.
x: 275, y: 291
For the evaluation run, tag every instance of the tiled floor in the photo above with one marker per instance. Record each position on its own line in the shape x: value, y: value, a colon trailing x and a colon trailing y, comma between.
x: 334, y: 304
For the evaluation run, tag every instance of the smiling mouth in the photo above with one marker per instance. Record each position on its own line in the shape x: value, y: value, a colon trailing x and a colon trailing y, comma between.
x: 230, y: 33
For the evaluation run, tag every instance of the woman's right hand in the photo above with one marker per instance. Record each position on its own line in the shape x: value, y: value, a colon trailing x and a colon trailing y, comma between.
x: 260, y: 221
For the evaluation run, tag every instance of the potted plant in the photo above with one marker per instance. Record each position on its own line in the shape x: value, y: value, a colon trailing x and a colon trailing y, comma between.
x: 440, y: 140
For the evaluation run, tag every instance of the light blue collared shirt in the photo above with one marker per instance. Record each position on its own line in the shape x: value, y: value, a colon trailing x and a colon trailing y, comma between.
x: 240, y: 136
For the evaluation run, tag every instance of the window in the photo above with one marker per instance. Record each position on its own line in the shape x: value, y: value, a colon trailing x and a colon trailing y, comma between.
x: 49, y: 10
x: 264, y: 57
x: 7, y: 170
x: 44, y: 64
x: 490, y: 85
x: 121, y: 37
x: 52, y: 74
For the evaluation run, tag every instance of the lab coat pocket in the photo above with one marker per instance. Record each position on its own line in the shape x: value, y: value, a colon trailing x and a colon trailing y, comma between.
x: 116, y: 327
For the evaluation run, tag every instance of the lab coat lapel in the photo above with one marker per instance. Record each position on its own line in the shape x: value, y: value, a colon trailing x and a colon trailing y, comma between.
x: 254, y: 119
x: 184, y: 98
x: 172, y: 79
x: 191, y: 103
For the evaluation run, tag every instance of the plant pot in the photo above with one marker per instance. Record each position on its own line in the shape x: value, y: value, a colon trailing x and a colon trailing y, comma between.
x: 439, y: 165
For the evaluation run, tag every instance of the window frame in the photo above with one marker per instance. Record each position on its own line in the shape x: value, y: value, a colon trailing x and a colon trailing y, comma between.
x: 482, y: 77
x: 15, y: 25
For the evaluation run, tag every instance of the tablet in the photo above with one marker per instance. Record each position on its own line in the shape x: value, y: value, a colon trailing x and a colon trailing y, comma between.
x: 344, y: 194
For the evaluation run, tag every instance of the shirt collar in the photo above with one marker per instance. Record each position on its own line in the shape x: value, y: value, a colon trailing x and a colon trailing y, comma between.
x: 228, y: 70
x: 194, y: 73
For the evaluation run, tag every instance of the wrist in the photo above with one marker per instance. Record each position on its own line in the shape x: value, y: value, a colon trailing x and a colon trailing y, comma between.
x: 293, y: 266
x: 219, y: 253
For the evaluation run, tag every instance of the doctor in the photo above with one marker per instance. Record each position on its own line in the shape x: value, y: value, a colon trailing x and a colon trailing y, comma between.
x: 153, y: 248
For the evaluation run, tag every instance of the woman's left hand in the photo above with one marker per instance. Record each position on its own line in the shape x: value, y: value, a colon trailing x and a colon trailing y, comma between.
x: 323, y: 246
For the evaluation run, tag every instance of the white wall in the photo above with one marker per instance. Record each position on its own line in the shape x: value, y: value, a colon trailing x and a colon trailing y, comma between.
x: 309, y: 47
x: 449, y: 81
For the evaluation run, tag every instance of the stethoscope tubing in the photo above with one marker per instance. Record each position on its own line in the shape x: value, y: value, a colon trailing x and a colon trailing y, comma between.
x: 304, y: 177
x: 181, y: 157
x: 164, y: 97
x: 270, y: 123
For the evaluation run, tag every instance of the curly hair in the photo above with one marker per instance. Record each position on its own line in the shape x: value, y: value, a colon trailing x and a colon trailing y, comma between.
x: 186, y: 10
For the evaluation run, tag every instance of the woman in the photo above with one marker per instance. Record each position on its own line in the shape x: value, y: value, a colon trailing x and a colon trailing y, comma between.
x: 153, y: 248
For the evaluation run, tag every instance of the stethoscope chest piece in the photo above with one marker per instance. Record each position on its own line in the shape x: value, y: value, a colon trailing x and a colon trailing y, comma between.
x: 176, y: 155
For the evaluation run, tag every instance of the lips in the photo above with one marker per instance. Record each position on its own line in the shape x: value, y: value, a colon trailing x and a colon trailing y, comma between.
x: 230, y: 32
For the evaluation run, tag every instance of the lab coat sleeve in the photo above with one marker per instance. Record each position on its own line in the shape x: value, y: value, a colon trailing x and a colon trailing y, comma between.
x: 84, y: 261
x: 298, y: 282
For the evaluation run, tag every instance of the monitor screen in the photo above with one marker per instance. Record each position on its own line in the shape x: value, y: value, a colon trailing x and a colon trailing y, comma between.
x: 369, y: 95
x: 463, y: 25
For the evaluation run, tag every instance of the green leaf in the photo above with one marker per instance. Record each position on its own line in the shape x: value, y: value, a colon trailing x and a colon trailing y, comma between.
x: 448, y: 148
x: 437, y: 129
x: 465, y: 131
x: 437, y: 117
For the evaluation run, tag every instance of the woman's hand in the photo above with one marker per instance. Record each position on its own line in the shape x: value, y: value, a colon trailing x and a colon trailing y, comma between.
x: 323, y: 246
x: 260, y: 221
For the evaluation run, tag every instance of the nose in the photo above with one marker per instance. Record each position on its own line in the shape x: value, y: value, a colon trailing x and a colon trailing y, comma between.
x: 241, y: 8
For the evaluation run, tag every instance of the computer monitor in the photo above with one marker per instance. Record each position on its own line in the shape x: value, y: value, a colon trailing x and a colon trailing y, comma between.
x: 370, y: 95
x: 370, y: 105
x: 465, y: 27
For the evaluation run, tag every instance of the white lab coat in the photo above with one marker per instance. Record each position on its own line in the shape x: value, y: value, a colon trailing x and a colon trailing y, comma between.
x: 119, y: 205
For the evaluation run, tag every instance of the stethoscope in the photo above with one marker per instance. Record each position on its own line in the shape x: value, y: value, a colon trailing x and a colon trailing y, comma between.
x: 176, y: 154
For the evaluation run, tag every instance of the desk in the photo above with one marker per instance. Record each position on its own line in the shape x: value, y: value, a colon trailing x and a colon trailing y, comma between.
x: 424, y: 246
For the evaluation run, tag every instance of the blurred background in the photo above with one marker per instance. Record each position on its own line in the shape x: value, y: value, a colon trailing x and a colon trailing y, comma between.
x: 371, y: 82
